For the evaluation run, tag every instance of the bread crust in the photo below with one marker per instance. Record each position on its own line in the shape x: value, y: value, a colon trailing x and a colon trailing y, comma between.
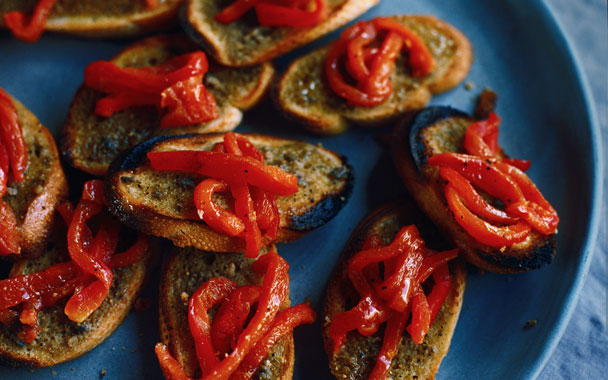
x: 303, y: 94
x: 59, y: 339
x: 115, y: 25
x: 411, y: 148
x: 84, y: 134
x: 195, y: 267
x: 44, y: 186
x: 130, y: 175
x: 355, y: 360
x: 211, y: 34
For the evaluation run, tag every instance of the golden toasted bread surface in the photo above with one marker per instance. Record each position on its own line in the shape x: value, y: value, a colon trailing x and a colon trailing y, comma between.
x: 44, y: 186
x: 356, y: 358
x: 183, y: 273
x: 304, y: 94
x: 244, y: 42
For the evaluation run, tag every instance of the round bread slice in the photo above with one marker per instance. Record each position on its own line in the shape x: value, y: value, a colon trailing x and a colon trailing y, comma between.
x: 44, y: 186
x: 356, y: 358
x: 161, y: 203
x: 439, y: 130
x: 102, y: 19
x: 244, y: 42
x: 184, y: 271
x: 304, y: 94
x: 60, y: 339
x: 90, y: 142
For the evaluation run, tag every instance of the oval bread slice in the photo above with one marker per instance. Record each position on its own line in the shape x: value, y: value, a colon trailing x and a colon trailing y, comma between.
x: 102, y: 19
x: 303, y: 93
x: 356, y: 358
x: 184, y: 271
x: 439, y: 130
x: 161, y: 203
x: 44, y: 186
x: 244, y: 42
x: 90, y: 142
x: 60, y: 339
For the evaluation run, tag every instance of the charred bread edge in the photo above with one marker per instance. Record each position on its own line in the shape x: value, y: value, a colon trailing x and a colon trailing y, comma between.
x: 170, y: 340
x: 321, y: 213
x: 343, y: 14
x: 408, y: 139
x: 457, y: 269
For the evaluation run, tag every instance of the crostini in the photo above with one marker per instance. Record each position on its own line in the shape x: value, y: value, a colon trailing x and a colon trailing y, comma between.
x: 32, y: 181
x: 90, y: 141
x: 62, y: 304
x: 482, y: 200
x: 153, y: 188
x: 383, y: 272
x: 188, y: 276
x: 88, y: 18
x: 377, y: 84
x: 235, y: 36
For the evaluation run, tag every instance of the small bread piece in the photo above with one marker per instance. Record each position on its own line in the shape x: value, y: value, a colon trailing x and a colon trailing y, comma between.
x: 244, y: 42
x: 60, y: 339
x: 304, y: 94
x: 102, y: 19
x: 44, y: 186
x: 185, y: 270
x: 161, y: 203
x: 357, y: 357
x: 90, y: 142
x: 438, y: 130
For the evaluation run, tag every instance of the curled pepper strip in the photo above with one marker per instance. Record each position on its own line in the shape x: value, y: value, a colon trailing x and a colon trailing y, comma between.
x: 12, y: 136
x: 242, y: 349
x: 32, y: 30
x: 235, y: 165
x: 176, y: 85
x: 407, y: 264
x: 371, y: 67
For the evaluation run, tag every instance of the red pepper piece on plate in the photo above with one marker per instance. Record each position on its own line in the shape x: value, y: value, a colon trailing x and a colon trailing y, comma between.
x: 29, y: 31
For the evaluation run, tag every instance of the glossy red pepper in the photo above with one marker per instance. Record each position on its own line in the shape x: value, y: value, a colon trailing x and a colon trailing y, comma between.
x: 287, y: 13
x: 421, y: 316
x: 176, y: 85
x: 479, y: 229
x: 218, y: 218
x: 371, y: 67
x: 29, y: 31
x: 12, y: 137
x: 390, y: 345
x: 241, y: 349
x: 151, y: 4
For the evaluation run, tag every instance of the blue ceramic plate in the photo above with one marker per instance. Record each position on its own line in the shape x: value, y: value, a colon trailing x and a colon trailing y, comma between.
x: 521, y: 53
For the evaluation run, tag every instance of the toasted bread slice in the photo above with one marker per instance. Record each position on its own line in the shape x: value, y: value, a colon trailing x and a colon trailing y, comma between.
x: 303, y: 93
x: 102, y: 19
x: 90, y: 142
x: 183, y: 273
x: 44, y: 186
x: 161, y: 203
x: 356, y: 358
x: 244, y: 42
x: 60, y: 339
x: 439, y: 130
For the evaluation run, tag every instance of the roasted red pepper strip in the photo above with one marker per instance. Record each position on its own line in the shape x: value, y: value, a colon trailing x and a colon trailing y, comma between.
x: 230, y: 168
x: 443, y: 284
x: 12, y: 137
x: 209, y: 294
x: 4, y: 167
x: 483, y: 173
x: 390, y: 345
x: 282, y: 325
x: 188, y: 102
x: 171, y: 368
x: 132, y: 255
x: 473, y: 199
x: 373, y: 83
x: 481, y: 230
x: 270, y: 14
x: 234, y: 11
x: 32, y: 30
x: 231, y: 317
x: 244, y: 209
x: 421, y: 316
x: 215, y: 216
x: 267, y: 211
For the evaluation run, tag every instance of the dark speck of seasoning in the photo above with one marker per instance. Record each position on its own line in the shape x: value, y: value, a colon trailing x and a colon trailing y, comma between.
x: 246, y: 171
x: 126, y: 179
x: 339, y: 173
x: 529, y: 324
